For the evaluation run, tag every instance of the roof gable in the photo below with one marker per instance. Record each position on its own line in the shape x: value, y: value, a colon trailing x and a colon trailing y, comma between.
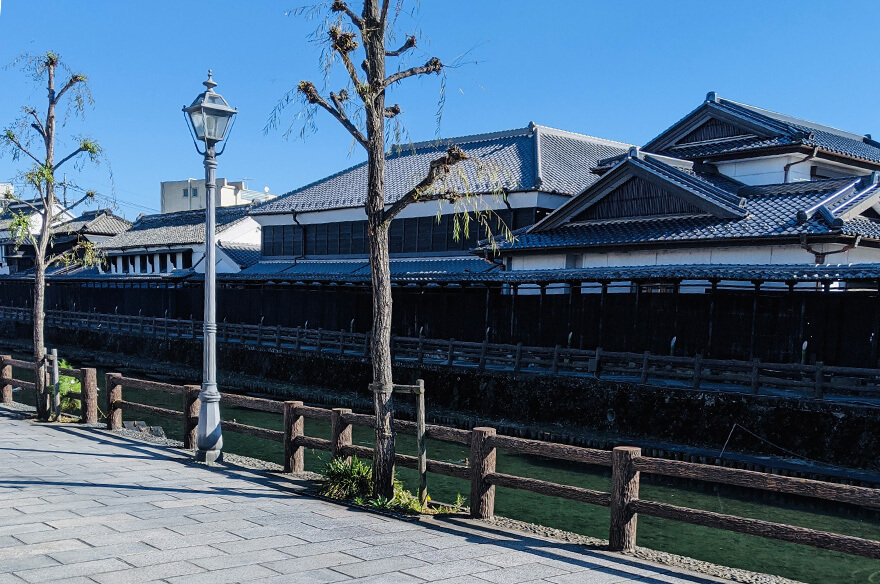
x: 643, y: 186
x: 721, y: 126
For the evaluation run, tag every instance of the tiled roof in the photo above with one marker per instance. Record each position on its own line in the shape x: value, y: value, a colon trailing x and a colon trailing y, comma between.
x: 427, y: 267
x: 531, y: 158
x: 747, y: 273
x: 182, y: 228
x: 777, y: 130
x: 827, y: 207
x: 242, y: 254
x: 98, y: 222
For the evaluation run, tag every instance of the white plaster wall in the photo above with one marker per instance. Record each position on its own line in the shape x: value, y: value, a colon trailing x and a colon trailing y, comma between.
x: 247, y: 231
x: 771, y: 169
x: 740, y: 255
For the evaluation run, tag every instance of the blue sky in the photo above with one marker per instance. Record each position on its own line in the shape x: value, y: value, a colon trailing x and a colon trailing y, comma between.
x: 618, y: 70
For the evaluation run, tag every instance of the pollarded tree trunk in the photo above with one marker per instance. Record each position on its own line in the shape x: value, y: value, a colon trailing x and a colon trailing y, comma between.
x: 39, y: 313
x: 383, y: 457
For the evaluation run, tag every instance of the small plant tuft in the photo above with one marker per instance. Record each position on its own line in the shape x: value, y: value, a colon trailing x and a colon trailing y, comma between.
x: 350, y: 480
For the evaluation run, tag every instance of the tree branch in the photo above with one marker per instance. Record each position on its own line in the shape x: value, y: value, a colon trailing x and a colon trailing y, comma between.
x: 10, y: 136
x: 307, y: 88
x: 439, y: 169
x: 74, y: 79
x: 38, y: 126
x: 410, y: 43
x: 432, y: 66
x: 384, y: 16
x: 68, y: 157
x: 340, y: 6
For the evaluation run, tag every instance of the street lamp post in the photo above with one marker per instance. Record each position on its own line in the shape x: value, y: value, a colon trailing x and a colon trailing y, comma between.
x: 209, y: 116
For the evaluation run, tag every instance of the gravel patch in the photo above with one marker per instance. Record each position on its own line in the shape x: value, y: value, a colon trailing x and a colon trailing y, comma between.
x: 18, y: 407
x: 667, y: 559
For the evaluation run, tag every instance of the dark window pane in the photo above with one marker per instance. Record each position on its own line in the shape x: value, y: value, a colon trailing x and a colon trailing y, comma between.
x: 345, y: 237
x: 395, y: 237
x: 311, y: 239
x: 321, y: 239
x: 358, y: 235
x: 297, y: 240
x: 333, y: 238
x: 424, y: 240
x: 287, y: 246
x: 439, y: 233
x: 268, y: 248
x: 410, y: 234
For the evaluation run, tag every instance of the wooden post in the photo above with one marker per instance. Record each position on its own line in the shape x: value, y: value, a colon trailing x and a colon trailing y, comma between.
x: 278, y: 336
x: 554, y: 369
x: 225, y: 328
x: 451, y: 357
x: 482, y: 463
x: 89, y: 400
x: 818, y: 389
x: 342, y: 342
x: 241, y: 333
x: 340, y: 434
x: 698, y: 366
x: 191, y: 404
x: 421, y: 354
x: 294, y: 454
x: 6, y: 387
x: 624, y: 490
x: 367, y: 344
x: 756, y: 375
x: 598, y: 362
x: 260, y: 333
x: 114, y: 394
x: 194, y: 331
x: 298, y: 338
x: 517, y: 363
x: 645, y: 364
x: 320, y: 340
x: 55, y: 380
x: 483, y: 350
x: 422, y: 443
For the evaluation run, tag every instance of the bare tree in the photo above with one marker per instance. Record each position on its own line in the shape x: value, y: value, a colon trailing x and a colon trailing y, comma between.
x: 345, y: 35
x: 18, y: 139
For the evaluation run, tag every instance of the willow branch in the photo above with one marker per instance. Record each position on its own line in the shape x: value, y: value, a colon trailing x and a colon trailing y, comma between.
x: 410, y: 43
x: 307, y: 88
x: 432, y: 66
x: 340, y: 6
x: 440, y: 168
x: 11, y: 137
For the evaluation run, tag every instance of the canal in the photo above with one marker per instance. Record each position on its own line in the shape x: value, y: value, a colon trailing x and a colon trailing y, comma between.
x: 793, y: 561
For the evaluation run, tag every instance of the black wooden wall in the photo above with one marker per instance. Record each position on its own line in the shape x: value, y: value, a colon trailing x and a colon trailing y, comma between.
x: 840, y: 327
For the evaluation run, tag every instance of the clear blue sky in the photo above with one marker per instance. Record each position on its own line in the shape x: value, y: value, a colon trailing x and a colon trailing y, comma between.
x: 619, y: 70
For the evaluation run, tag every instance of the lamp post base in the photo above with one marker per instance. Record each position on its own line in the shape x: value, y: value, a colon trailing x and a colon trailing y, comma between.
x: 209, y: 456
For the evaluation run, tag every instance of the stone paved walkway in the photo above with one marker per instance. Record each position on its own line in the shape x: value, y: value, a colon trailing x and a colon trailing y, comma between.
x: 84, y: 506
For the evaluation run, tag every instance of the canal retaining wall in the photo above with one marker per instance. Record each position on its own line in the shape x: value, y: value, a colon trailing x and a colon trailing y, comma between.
x: 820, y: 430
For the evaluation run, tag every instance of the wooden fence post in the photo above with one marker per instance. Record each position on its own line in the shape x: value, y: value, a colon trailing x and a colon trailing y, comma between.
x: 818, y: 389
x: 191, y: 405
x: 342, y: 342
x: 421, y: 350
x: 645, y: 365
x: 89, y: 395
x: 278, y: 336
x: 451, y: 357
x: 517, y: 362
x: 554, y: 368
x: 422, y: 443
x: 114, y: 394
x: 320, y: 344
x: 624, y: 490
x: 482, y: 463
x: 756, y: 375
x: 298, y: 338
x: 367, y: 344
x: 698, y: 369
x: 294, y: 453
x: 6, y: 372
x: 340, y: 433
x: 483, y: 351
x: 598, y: 362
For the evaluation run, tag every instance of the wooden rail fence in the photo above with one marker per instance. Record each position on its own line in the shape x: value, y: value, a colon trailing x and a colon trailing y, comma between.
x: 812, y: 381
x: 626, y: 464
x: 87, y: 377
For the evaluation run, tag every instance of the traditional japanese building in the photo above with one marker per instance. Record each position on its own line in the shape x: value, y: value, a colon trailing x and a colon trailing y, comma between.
x: 728, y: 185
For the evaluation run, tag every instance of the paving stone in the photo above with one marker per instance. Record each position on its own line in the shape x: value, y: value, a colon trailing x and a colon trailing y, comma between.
x: 96, y: 553
x: 138, y: 575
x: 237, y: 574
x: 328, y: 560
x: 28, y: 562
x: 382, y: 566
x: 168, y: 556
x: 262, y: 543
x: 450, y: 569
x: 314, y: 549
x: 523, y: 573
x: 596, y: 577
x: 63, y: 572
x: 388, y: 550
x: 50, y: 547
x: 218, y: 562
x: 319, y: 576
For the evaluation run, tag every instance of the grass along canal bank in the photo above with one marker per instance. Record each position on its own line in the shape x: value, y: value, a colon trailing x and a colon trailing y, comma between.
x: 720, y: 547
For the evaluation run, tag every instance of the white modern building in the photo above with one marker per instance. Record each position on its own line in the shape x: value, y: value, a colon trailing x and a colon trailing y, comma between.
x: 188, y: 195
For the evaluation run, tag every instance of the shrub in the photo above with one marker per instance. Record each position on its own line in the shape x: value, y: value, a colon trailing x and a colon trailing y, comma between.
x: 66, y: 386
x: 351, y: 480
